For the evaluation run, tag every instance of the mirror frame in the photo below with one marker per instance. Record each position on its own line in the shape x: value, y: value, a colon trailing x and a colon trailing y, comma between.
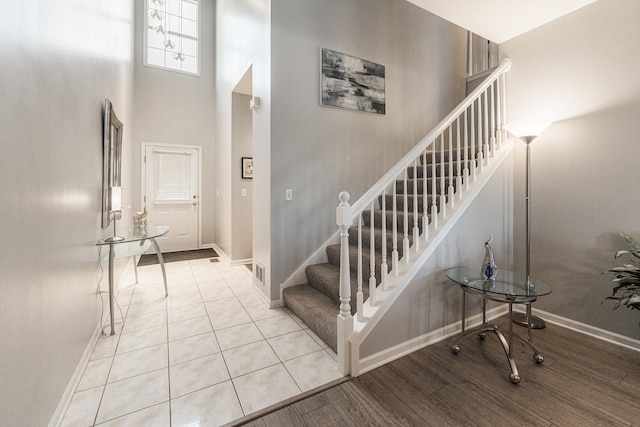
x: 111, y: 160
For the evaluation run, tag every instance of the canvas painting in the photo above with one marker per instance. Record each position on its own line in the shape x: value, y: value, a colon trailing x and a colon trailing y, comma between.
x: 353, y: 83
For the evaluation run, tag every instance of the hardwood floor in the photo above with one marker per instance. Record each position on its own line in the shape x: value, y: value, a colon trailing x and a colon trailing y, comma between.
x: 582, y: 382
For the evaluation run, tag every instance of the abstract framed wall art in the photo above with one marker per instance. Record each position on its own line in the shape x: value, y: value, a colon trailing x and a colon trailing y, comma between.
x: 351, y: 83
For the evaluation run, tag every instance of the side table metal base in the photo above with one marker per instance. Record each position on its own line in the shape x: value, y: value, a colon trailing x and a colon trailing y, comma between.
x: 506, y: 342
x: 536, y: 322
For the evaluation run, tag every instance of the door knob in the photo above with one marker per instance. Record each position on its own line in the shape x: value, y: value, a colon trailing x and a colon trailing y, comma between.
x: 195, y: 202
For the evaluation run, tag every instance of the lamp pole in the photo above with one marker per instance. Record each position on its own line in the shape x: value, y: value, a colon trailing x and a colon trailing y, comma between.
x: 518, y: 318
x: 528, y: 130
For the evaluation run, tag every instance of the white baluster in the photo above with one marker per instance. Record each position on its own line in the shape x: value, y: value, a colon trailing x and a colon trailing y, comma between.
x: 360, y: 294
x: 473, y: 143
x: 451, y: 166
x: 394, y: 253
x: 493, y: 120
x: 384, y: 267
x: 405, y: 221
x: 425, y: 198
x: 416, y: 219
x: 434, y: 183
x: 465, y: 172
x: 458, y: 160
x: 372, y: 258
x: 503, y: 100
x: 443, y: 195
x: 485, y: 141
x: 479, y: 147
x: 344, y: 219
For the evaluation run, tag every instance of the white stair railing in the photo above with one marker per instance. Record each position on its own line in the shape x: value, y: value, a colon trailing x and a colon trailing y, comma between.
x: 449, y: 159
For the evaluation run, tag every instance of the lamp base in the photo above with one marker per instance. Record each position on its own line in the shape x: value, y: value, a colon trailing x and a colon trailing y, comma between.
x: 536, y: 322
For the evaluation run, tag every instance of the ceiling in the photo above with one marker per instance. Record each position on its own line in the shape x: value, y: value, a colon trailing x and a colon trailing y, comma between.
x: 500, y: 20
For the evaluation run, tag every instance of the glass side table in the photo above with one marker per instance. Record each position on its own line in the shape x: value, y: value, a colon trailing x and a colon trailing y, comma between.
x: 150, y: 233
x: 509, y: 288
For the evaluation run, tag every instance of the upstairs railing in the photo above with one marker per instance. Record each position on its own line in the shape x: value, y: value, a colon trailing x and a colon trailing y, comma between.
x: 409, y: 212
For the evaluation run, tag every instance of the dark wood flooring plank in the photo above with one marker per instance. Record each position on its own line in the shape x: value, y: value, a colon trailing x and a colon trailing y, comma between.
x: 583, y: 382
x: 404, y: 390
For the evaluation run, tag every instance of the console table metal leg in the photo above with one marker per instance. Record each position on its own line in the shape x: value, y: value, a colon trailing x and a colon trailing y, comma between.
x: 135, y: 267
x: 111, y: 259
x: 161, y: 261
x: 514, y: 376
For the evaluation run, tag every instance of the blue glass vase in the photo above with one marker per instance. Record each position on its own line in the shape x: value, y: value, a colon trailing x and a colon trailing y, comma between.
x: 489, y: 265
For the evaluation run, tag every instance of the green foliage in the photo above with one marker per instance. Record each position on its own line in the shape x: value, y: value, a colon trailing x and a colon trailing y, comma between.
x: 626, y: 278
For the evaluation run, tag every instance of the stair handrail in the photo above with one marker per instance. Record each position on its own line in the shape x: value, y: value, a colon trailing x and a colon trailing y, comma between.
x: 358, y: 206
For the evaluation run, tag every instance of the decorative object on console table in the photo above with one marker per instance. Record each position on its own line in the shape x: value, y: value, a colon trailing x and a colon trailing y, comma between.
x: 140, y: 220
x: 352, y: 83
x: 528, y: 130
x: 489, y: 265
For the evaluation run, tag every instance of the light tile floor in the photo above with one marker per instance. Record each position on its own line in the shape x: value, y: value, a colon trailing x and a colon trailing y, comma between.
x: 209, y: 353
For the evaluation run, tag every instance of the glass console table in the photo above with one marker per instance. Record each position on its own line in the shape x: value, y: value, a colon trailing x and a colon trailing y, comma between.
x: 135, y: 239
x: 509, y: 288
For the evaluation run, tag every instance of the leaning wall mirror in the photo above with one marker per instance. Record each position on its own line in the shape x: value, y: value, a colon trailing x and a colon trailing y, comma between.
x: 111, y: 160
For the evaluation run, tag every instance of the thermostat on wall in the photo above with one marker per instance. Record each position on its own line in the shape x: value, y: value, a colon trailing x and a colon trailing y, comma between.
x: 254, y: 104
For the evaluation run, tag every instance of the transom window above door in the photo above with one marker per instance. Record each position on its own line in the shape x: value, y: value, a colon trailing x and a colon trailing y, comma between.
x: 171, y: 35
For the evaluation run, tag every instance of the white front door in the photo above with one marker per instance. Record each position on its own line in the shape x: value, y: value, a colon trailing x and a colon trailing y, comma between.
x: 171, y: 193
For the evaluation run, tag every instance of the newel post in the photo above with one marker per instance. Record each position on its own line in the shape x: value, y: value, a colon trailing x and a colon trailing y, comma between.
x: 344, y: 219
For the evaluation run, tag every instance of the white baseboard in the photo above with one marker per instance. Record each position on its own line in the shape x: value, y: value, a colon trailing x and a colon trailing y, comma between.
x: 67, y: 396
x: 219, y: 251
x: 238, y: 262
x: 592, y: 331
x: 376, y: 360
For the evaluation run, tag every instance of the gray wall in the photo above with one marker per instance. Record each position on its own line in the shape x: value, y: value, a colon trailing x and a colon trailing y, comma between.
x: 61, y: 60
x: 581, y: 70
x: 319, y: 151
x: 432, y: 301
x: 177, y: 108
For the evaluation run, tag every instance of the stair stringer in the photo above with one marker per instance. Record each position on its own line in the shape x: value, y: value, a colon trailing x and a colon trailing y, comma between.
x: 373, y: 314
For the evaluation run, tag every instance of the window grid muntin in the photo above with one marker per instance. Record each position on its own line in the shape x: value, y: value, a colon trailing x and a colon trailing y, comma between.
x: 179, y: 20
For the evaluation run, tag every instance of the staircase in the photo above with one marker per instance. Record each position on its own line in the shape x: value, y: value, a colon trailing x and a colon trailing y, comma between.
x: 315, y: 302
x: 397, y: 224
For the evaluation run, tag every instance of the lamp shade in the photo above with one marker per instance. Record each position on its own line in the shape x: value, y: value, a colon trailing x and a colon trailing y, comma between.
x: 116, y: 198
x: 528, y: 128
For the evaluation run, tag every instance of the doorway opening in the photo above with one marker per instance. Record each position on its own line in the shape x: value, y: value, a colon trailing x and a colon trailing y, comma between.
x: 242, y: 172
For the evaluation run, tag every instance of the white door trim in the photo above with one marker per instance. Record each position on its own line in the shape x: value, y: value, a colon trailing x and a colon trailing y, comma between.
x: 143, y: 177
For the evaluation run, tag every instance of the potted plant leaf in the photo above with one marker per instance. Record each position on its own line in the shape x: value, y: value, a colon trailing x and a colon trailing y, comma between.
x: 626, y: 278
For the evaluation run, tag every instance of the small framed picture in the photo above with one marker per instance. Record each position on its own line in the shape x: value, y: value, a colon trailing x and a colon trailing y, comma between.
x: 247, y: 168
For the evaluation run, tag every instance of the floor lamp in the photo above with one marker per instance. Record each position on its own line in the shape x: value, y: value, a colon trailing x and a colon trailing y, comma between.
x: 528, y: 130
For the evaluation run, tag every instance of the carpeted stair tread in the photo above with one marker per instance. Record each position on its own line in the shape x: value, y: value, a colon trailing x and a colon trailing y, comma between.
x: 420, y: 185
x: 316, y: 310
x: 377, y: 235
x: 419, y: 171
x: 410, y: 199
x: 325, y: 278
x: 333, y: 253
x: 446, y: 155
x: 377, y: 217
